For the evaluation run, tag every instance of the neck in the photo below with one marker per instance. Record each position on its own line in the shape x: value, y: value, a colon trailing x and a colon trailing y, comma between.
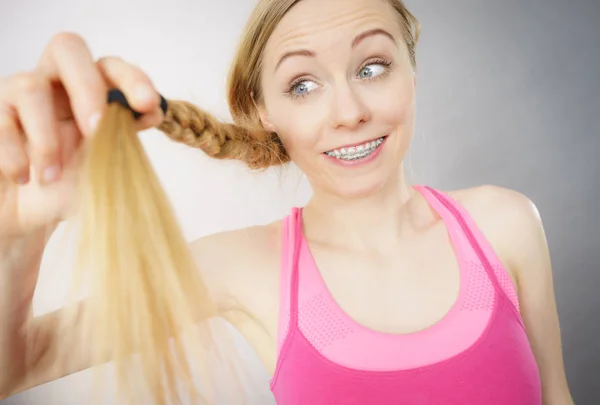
x: 372, y: 221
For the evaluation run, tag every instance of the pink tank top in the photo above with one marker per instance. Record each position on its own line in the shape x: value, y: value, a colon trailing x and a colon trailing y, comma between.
x: 477, y: 354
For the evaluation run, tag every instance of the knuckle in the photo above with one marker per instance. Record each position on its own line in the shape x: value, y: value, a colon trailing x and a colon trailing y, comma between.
x: 105, y: 60
x: 15, y: 168
x: 7, y: 125
x: 29, y: 82
x: 13, y: 160
x: 109, y: 65
x: 66, y: 40
x: 46, y: 151
x: 128, y: 71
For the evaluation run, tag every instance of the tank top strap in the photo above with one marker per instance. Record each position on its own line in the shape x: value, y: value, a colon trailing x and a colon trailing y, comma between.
x: 449, y: 208
x: 288, y: 284
x: 438, y: 206
x: 460, y: 242
x: 291, y: 244
x: 296, y: 244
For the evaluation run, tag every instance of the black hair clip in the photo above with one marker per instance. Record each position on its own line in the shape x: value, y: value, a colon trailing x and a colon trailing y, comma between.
x: 117, y: 96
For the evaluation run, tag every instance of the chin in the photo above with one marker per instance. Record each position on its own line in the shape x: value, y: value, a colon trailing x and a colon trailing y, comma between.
x: 364, y: 185
x: 359, y: 189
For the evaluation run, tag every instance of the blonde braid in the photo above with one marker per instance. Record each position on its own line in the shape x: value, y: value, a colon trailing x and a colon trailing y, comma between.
x: 187, y: 124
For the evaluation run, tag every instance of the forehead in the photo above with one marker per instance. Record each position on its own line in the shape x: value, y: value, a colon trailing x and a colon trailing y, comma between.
x: 326, y: 24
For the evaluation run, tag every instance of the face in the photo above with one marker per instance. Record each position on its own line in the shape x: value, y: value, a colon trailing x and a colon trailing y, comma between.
x: 338, y: 88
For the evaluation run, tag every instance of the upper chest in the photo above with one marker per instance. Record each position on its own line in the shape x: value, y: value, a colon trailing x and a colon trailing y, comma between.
x: 399, y: 291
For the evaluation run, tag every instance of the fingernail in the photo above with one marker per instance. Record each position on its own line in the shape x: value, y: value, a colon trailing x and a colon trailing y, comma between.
x: 94, y: 120
x: 51, y: 174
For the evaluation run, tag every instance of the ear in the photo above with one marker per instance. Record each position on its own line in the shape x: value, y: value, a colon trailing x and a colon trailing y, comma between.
x: 262, y: 113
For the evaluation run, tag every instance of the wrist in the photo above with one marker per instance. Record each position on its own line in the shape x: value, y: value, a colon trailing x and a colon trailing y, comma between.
x: 17, y: 246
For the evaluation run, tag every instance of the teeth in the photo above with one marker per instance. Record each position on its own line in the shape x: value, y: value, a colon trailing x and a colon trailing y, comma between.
x: 356, y: 152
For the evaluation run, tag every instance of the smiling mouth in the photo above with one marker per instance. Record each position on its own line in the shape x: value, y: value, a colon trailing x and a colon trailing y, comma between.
x: 356, y: 152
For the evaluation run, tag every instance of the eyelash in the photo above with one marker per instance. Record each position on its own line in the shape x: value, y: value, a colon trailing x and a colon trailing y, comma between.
x: 387, y: 64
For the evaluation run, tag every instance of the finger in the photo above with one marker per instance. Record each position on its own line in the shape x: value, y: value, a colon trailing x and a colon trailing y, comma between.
x: 70, y: 140
x: 68, y: 60
x: 132, y: 81
x: 14, y: 163
x: 34, y: 102
x: 70, y: 135
x: 150, y: 120
x: 62, y: 108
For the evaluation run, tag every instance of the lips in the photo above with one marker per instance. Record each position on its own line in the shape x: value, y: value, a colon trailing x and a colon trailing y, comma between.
x: 356, y: 156
x: 356, y: 146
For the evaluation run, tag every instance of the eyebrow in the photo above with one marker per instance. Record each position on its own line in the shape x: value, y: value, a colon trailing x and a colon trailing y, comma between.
x: 372, y: 33
x: 357, y: 40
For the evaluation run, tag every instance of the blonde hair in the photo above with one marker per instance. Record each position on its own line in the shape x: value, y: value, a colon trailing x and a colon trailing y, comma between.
x: 145, y: 291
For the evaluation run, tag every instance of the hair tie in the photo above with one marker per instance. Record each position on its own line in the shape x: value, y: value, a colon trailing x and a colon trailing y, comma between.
x: 117, y: 96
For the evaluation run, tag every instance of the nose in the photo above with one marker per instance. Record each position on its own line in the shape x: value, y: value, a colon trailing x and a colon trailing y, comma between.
x: 348, y: 109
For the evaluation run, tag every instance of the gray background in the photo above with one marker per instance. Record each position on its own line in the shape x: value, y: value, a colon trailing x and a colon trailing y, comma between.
x: 508, y: 94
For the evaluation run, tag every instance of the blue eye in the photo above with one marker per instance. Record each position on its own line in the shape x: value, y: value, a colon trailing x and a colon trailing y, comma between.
x: 372, y: 70
x: 303, y: 87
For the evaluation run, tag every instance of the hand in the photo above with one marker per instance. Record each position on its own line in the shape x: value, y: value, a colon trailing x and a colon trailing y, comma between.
x: 45, y: 116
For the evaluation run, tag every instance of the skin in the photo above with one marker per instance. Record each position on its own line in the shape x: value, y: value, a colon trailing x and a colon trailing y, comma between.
x: 382, y: 255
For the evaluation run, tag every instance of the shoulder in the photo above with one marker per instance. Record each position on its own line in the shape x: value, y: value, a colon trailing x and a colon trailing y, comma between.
x: 499, y: 204
x: 231, y: 261
x: 509, y: 220
x: 238, y: 243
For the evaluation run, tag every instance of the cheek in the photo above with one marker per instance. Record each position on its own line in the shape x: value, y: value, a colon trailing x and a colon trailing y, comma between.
x: 397, y: 106
x: 298, y: 128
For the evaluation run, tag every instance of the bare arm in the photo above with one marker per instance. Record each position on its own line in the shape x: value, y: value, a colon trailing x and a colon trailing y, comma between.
x: 522, y: 243
x: 45, y: 335
x: 19, y: 268
x: 536, y: 289
x: 28, y: 345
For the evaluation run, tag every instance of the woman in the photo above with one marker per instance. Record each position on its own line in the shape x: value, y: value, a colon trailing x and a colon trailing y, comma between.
x: 376, y: 291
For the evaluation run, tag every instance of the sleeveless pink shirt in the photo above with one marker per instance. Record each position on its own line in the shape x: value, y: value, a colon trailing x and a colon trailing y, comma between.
x: 477, y: 354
